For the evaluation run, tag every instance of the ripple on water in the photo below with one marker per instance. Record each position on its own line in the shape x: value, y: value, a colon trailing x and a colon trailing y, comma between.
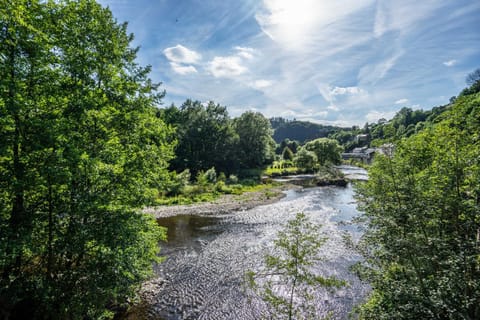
x: 206, y: 264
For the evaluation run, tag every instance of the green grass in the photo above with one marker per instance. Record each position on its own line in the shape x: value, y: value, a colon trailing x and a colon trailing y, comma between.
x: 208, y: 193
x: 278, y: 172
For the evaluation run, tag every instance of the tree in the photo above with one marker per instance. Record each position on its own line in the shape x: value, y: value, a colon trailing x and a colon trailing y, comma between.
x: 287, y: 154
x: 256, y: 146
x: 422, y: 213
x: 81, y: 150
x: 306, y: 159
x: 326, y: 150
x: 287, y: 285
x: 206, y: 137
x: 473, y: 77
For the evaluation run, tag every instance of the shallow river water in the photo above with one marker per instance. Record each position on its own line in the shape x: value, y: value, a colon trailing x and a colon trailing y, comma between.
x: 209, y: 255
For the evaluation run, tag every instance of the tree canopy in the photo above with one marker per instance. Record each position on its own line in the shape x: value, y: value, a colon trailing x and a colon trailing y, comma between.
x: 256, y: 146
x: 422, y: 212
x: 81, y: 149
x: 326, y: 150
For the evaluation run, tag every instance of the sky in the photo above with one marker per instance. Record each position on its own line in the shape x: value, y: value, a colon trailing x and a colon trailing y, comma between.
x: 342, y: 62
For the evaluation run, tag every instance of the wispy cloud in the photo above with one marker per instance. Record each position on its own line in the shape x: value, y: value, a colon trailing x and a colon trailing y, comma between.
x: 244, y: 52
x: 401, y: 101
x: 402, y: 16
x: 345, y: 90
x: 182, y: 69
x: 296, y: 24
x: 372, y: 73
x: 338, y: 62
x: 450, y: 63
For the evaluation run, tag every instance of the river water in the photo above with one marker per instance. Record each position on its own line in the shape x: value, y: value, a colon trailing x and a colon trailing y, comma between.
x: 209, y: 255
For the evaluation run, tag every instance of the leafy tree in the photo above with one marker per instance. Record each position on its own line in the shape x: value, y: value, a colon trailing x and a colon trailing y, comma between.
x: 256, y: 146
x: 205, y: 137
x: 81, y: 150
x: 473, y: 77
x: 287, y: 154
x: 288, y: 283
x: 422, y: 212
x: 473, y: 82
x: 293, y: 145
x: 326, y: 150
x: 306, y: 159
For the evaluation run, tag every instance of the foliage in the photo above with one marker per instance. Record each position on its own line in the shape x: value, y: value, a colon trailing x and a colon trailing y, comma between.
x: 256, y: 147
x: 287, y: 154
x: 306, y: 159
x: 422, y: 213
x: 293, y: 145
x: 473, y: 77
x: 283, y: 171
x: 302, y: 131
x: 473, y: 82
x: 288, y: 282
x: 326, y: 150
x: 205, y: 135
x: 81, y: 149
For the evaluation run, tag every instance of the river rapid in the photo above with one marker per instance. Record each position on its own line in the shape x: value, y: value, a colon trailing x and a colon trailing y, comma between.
x: 207, y: 256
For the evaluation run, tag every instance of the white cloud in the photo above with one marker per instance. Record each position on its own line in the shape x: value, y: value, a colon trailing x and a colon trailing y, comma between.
x: 333, y: 108
x: 182, y: 69
x: 261, y: 84
x: 345, y: 90
x: 181, y: 54
x: 233, y: 65
x: 226, y: 67
x: 244, y: 52
x: 401, y: 101
x: 450, y: 63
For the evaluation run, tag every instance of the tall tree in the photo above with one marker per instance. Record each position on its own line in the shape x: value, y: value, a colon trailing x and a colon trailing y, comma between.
x: 81, y: 149
x: 256, y: 146
x: 422, y: 212
x: 205, y: 137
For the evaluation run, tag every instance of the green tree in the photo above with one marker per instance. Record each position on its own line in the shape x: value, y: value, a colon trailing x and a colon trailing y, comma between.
x: 206, y: 137
x: 326, y: 150
x: 81, y: 150
x: 305, y: 159
x: 287, y: 154
x: 287, y: 284
x: 422, y: 212
x: 256, y: 146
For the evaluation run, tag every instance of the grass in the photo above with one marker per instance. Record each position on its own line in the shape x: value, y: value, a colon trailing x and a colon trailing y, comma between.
x: 209, y: 193
x: 278, y: 172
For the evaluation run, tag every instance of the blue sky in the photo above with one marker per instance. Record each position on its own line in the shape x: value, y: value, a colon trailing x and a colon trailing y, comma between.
x: 342, y: 62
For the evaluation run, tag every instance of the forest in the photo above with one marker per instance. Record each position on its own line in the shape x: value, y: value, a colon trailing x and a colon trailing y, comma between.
x: 84, y: 147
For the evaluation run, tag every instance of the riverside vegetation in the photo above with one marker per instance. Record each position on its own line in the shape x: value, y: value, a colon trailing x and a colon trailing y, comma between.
x: 84, y: 148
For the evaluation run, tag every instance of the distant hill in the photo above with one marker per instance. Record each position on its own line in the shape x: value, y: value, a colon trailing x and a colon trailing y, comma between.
x: 301, y: 130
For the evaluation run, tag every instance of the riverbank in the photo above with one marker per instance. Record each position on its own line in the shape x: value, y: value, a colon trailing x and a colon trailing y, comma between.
x: 226, y: 203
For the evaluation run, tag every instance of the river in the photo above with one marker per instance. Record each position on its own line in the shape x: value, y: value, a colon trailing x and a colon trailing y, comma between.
x: 207, y: 256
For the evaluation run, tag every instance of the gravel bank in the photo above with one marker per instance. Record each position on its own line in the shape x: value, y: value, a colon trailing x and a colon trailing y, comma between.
x: 224, y: 204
